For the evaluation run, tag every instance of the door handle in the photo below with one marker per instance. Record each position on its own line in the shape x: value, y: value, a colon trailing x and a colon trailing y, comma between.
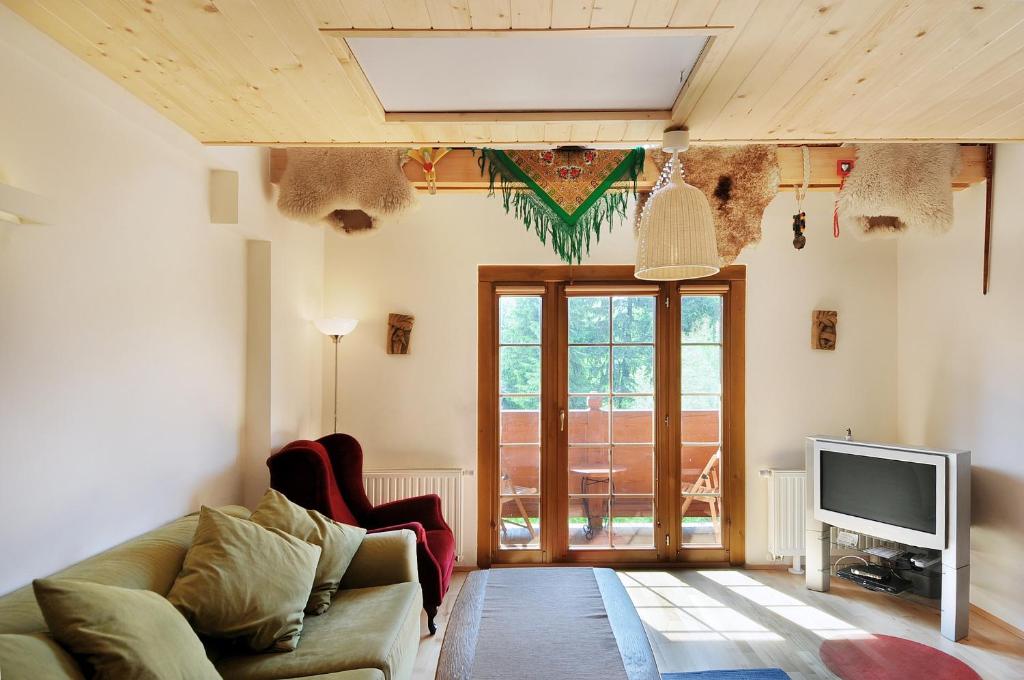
x: 561, y: 420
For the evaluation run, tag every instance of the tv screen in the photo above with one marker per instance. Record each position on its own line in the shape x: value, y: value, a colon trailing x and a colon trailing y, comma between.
x: 893, y: 492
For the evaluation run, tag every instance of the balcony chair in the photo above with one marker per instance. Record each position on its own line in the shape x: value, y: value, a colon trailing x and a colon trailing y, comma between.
x: 327, y: 476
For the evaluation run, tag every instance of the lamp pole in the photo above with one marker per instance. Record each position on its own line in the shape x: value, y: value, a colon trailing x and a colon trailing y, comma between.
x: 337, y: 339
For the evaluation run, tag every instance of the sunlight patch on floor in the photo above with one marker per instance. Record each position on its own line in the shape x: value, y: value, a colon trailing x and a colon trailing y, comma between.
x: 682, y: 612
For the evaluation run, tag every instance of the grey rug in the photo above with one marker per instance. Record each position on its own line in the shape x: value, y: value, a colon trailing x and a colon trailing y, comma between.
x: 545, y: 623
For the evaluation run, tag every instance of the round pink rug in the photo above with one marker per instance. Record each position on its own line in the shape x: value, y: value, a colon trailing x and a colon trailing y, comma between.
x: 882, y: 657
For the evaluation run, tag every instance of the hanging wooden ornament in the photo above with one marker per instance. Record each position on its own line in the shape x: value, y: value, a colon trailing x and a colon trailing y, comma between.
x: 800, y: 218
x: 429, y: 158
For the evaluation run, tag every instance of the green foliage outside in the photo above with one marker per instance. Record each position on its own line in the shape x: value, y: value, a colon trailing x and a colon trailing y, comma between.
x: 596, y: 320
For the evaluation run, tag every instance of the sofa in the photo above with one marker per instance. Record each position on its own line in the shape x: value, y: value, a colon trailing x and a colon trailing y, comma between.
x: 370, y: 632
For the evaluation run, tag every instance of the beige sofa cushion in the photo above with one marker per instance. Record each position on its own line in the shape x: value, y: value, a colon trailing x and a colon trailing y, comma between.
x: 122, y: 633
x: 243, y: 582
x: 364, y: 628
x: 35, y: 656
x: 338, y: 542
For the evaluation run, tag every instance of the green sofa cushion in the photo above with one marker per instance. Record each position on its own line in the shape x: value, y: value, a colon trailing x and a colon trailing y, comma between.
x: 338, y: 542
x: 35, y: 656
x: 364, y: 628
x: 151, y: 562
x: 243, y: 582
x: 121, y: 633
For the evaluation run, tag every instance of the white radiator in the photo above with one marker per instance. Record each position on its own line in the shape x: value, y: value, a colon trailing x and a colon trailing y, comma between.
x: 384, y: 486
x: 786, y: 514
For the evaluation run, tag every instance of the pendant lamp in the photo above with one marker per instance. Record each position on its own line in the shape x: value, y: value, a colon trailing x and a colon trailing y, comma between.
x: 676, y: 238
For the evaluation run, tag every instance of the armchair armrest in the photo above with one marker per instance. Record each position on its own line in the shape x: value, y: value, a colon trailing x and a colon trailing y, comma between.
x: 423, y: 509
x: 383, y: 559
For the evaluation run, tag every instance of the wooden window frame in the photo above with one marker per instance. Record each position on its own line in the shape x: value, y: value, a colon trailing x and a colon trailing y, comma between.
x: 732, y: 280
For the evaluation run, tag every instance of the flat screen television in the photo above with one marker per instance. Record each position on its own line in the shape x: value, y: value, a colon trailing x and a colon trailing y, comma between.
x: 886, y: 492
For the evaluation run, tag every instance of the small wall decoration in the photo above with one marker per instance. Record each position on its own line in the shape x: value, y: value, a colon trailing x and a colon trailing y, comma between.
x: 428, y: 159
x: 739, y: 181
x: 399, y: 333
x: 896, y: 188
x: 823, y: 329
x: 349, y: 189
x: 566, y: 194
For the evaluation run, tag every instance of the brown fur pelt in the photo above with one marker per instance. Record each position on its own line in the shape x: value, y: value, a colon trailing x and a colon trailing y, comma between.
x: 896, y: 188
x: 349, y: 189
x: 739, y: 181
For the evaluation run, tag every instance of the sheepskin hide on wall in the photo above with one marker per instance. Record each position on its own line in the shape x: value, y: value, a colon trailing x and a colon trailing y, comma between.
x: 349, y: 189
x: 739, y: 181
x: 895, y: 188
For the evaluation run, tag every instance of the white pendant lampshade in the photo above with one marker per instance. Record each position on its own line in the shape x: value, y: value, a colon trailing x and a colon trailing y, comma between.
x: 336, y: 326
x: 676, y: 238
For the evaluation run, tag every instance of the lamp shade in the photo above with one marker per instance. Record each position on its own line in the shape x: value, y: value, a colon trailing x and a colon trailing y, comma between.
x: 676, y: 238
x: 336, y: 326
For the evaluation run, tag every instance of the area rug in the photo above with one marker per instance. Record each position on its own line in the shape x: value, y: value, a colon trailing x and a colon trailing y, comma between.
x: 565, y: 195
x: 509, y: 624
x: 882, y: 657
x: 738, y: 674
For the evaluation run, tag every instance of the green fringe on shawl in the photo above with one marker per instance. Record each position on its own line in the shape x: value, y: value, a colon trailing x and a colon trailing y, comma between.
x: 570, y: 234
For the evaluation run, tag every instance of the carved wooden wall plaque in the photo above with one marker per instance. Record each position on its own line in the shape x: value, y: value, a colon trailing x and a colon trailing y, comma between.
x: 399, y: 333
x: 823, y: 329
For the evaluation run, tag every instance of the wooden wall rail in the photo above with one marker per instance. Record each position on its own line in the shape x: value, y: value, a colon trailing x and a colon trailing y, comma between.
x: 460, y: 171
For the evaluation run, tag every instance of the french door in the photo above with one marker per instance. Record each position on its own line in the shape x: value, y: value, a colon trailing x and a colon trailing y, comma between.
x: 610, y: 417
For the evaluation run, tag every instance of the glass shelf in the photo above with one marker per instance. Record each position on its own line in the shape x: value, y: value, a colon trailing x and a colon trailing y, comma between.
x: 839, y: 551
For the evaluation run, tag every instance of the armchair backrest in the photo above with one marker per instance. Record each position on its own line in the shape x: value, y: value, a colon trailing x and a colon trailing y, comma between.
x: 303, y: 472
x: 346, y: 456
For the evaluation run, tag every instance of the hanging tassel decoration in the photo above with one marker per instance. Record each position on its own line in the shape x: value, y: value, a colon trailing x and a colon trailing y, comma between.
x: 800, y: 218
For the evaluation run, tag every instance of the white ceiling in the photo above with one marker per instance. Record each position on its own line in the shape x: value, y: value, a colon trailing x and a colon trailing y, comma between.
x: 527, y: 72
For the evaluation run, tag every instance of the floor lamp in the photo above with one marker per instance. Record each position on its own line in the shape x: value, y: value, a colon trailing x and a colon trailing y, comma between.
x: 336, y: 328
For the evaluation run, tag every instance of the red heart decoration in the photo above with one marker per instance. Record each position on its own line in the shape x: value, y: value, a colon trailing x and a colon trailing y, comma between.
x: 428, y: 166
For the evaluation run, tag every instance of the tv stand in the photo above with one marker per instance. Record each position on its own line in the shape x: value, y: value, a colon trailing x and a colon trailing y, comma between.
x: 956, y: 555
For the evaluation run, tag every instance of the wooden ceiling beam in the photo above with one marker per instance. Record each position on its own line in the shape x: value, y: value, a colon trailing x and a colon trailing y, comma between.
x: 460, y: 169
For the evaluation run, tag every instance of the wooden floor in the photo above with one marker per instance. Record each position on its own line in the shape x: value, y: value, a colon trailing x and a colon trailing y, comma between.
x: 721, y: 619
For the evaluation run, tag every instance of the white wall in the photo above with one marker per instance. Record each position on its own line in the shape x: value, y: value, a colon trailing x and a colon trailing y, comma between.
x: 123, y: 326
x: 419, y: 410
x: 961, y: 371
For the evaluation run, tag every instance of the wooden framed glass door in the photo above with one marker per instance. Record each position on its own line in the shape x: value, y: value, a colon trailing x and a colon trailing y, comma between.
x: 610, y: 417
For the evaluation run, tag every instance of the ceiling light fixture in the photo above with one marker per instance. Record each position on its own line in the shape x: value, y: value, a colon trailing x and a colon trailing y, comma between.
x: 676, y: 238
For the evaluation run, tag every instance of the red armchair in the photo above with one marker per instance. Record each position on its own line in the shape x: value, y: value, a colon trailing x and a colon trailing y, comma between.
x: 327, y: 476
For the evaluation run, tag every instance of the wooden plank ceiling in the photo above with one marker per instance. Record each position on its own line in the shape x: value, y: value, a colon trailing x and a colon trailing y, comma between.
x: 264, y: 71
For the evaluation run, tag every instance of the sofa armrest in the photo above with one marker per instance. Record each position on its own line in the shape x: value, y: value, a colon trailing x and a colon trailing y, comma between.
x: 382, y: 559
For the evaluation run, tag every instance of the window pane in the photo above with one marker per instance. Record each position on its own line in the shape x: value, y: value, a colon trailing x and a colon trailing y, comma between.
x: 702, y: 368
x: 703, y: 424
x: 588, y: 470
x: 520, y: 420
x: 702, y: 318
x: 588, y: 520
x: 519, y: 471
x: 634, y: 369
x: 633, y: 420
x: 519, y: 369
x: 518, y: 320
x: 633, y: 319
x: 702, y: 520
x: 520, y: 522
x: 632, y: 522
x: 701, y: 469
x: 633, y: 469
x: 588, y: 424
x: 588, y: 369
x: 588, y: 319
